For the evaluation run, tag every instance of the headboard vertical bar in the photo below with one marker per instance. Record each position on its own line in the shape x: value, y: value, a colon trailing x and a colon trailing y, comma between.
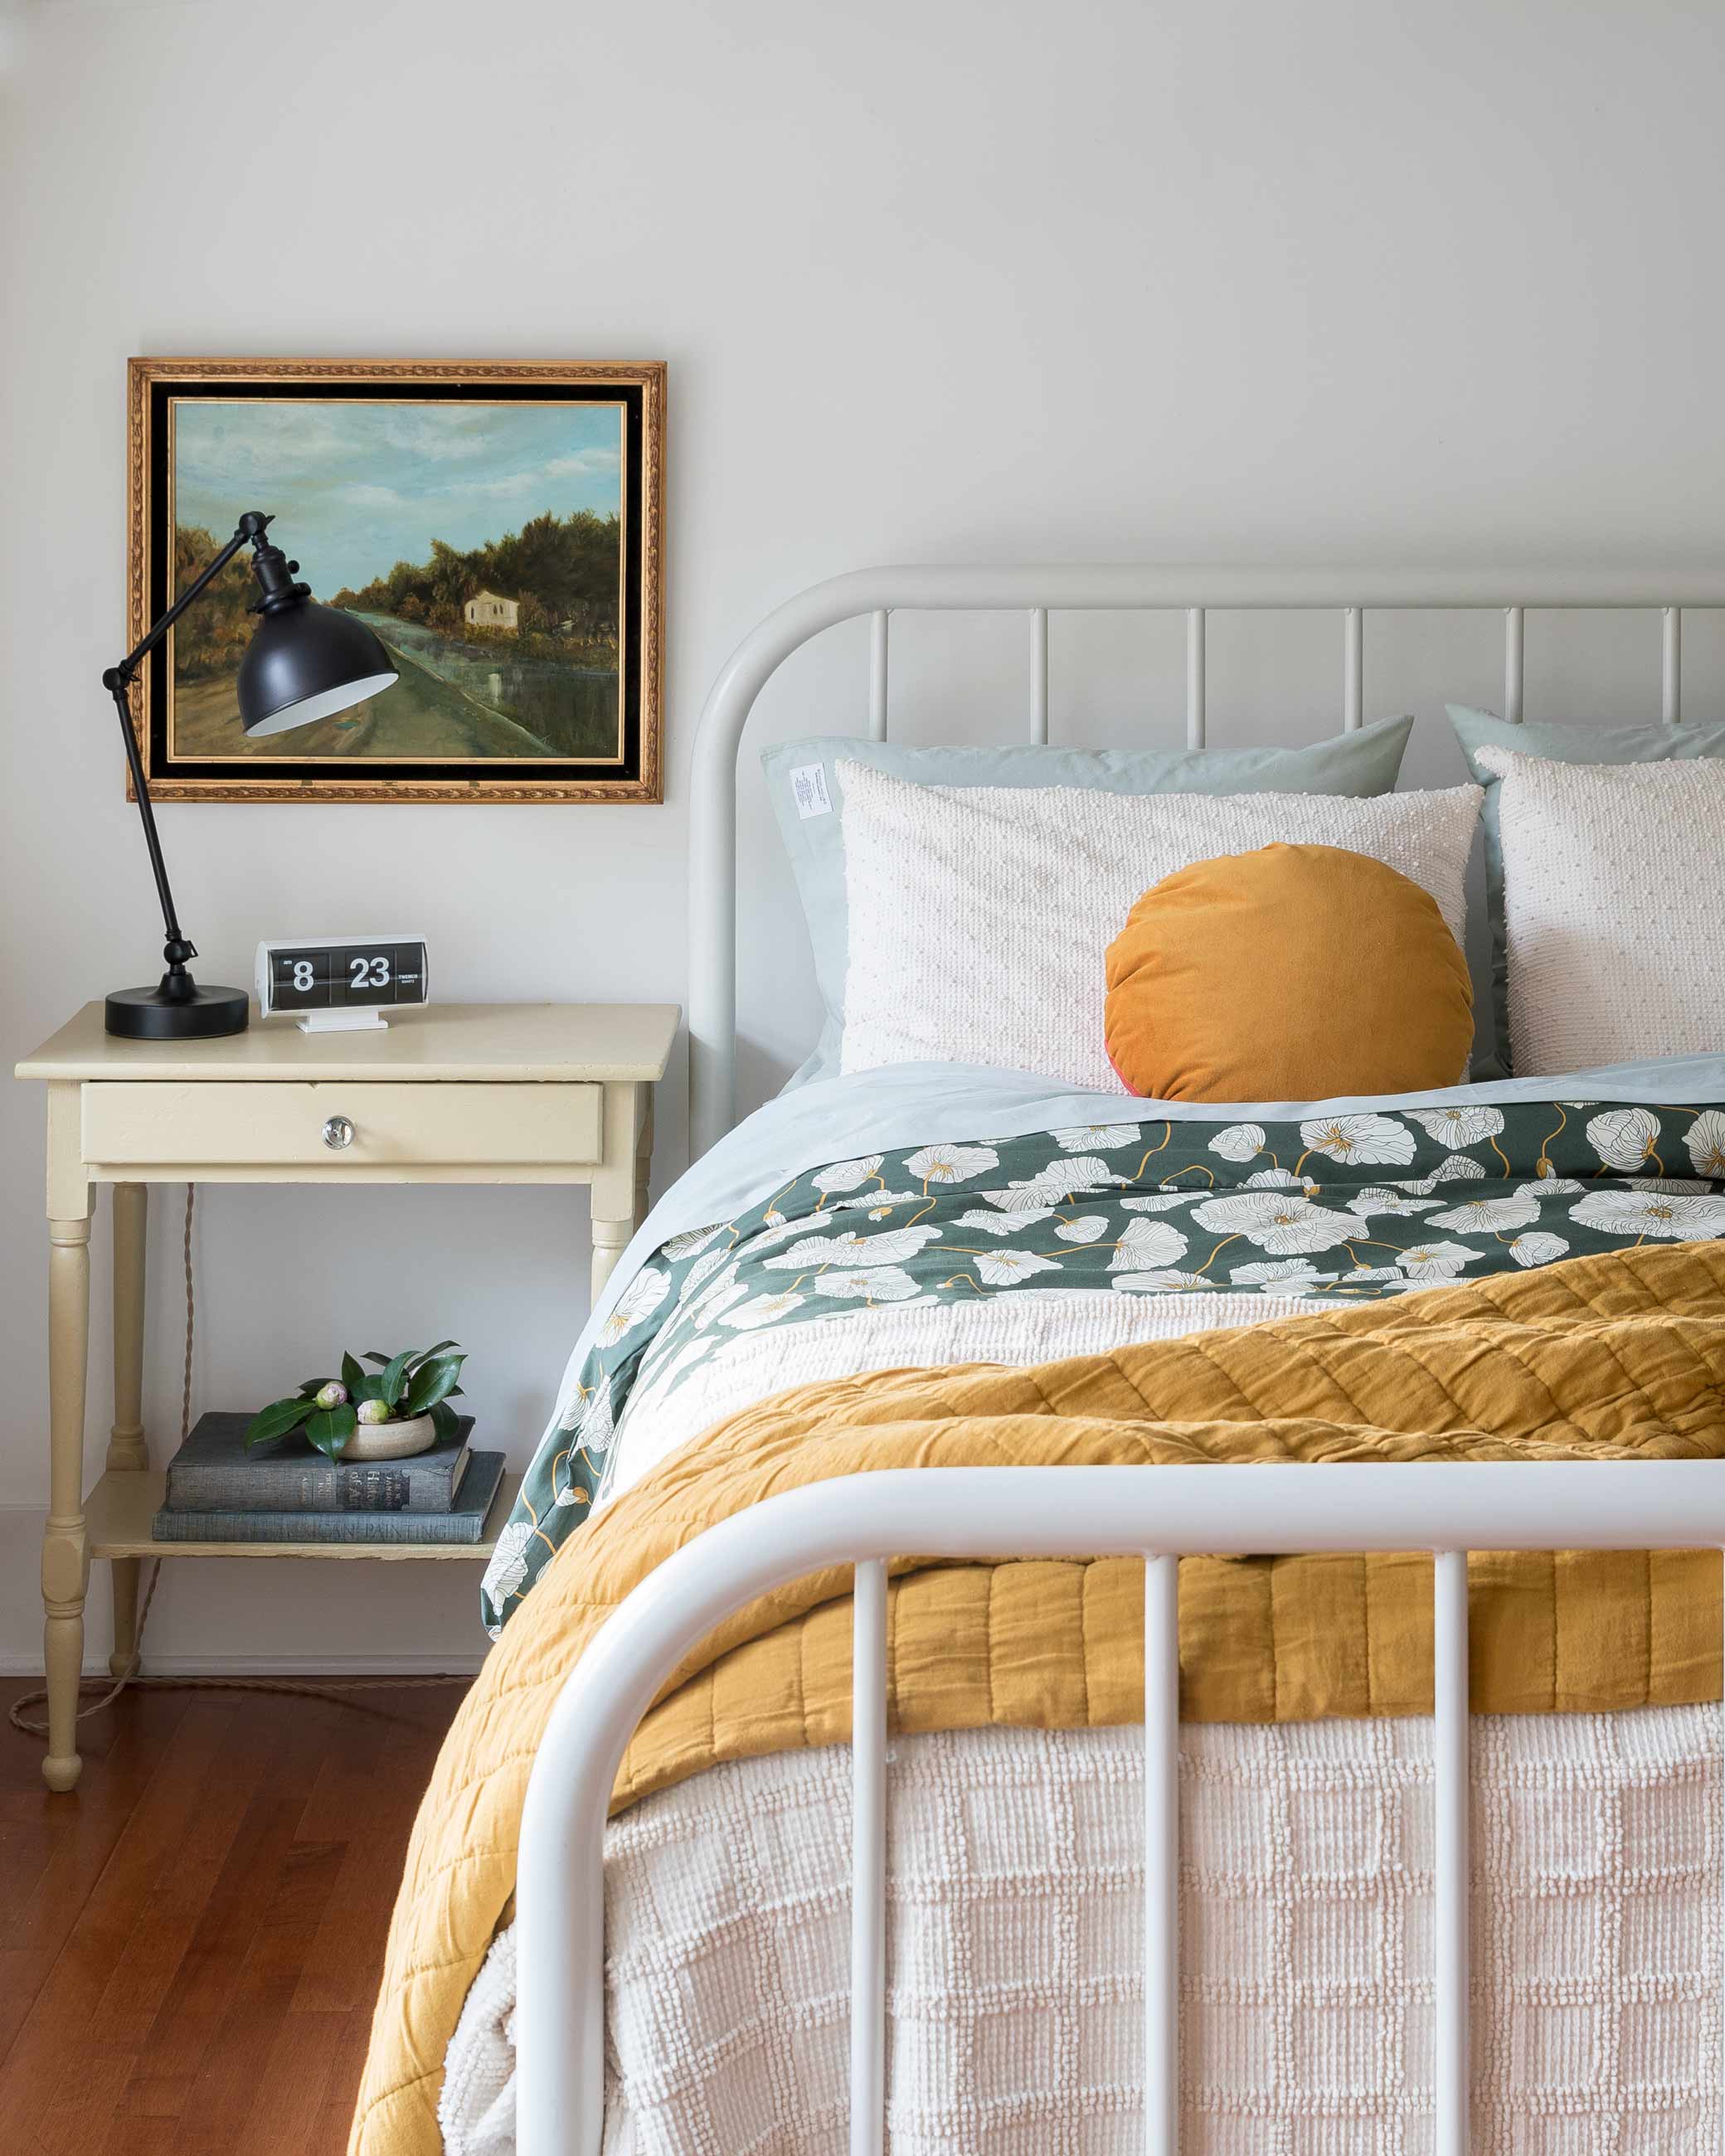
x: 1162, y: 1855
x: 1512, y: 642
x: 877, y: 674
x: 1194, y: 678
x: 1039, y: 674
x: 1452, y: 1883
x: 1353, y: 668
x: 868, y: 1859
x: 1670, y: 701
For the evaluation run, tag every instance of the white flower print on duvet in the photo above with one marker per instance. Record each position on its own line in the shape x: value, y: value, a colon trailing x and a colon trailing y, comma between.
x: 1340, y: 1208
x: 1283, y: 1224
x: 1369, y: 1140
x: 1096, y: 1138
x: 1288, y: 1273
x: 1006, y: 1224
x: 952, y: 1163
x: 847, y: 1174
x: 1060, y: 1178
x: 635, y: 1305
x: 1006, y: 1268
x: 1459, y: 1126
x: 1396, y: 1202
x: 1146, y: 1244
x: 1625, y: 1138
x: 865, y: 1284
x: 1240, y: 1141
x: 1436, y: 1261
x: 1705, y: 1145
x: 507, y: 1570
x: 850, y: 1248
x: 1656, y: 1212
x: 1491, y: 1216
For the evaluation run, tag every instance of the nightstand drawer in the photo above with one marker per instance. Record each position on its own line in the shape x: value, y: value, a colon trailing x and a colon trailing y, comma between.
x: 336, y: 1123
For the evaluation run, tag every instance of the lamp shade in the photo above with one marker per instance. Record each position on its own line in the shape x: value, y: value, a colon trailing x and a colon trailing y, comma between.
x: 307, y: 662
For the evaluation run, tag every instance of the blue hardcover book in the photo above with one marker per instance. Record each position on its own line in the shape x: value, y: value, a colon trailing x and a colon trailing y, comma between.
x: 213, y: 1471
x: 463, y: 1523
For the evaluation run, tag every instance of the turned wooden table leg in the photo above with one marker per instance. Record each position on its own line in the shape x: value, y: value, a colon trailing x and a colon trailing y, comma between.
x: 616, y: 1188
x: 644, y: 1164
x: 128, y: 1449
x: 65, y: 1555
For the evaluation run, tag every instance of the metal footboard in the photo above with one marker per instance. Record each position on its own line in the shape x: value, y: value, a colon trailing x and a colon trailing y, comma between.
x: 1160, y: 1513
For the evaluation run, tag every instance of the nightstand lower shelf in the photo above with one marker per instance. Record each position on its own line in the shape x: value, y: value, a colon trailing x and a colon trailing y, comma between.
x: 118, y: 1511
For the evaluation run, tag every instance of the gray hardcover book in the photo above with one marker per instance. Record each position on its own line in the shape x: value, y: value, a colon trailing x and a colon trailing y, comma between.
x: 463, y: 1523
x: 213, y: 1472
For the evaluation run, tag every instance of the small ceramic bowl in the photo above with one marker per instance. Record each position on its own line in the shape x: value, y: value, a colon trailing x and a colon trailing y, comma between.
x: 391, y: 1441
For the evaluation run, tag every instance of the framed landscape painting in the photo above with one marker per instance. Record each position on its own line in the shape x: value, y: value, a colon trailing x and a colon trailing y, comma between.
x: 497, y: 525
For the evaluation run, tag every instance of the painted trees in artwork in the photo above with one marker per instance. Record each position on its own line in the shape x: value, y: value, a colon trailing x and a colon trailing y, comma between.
x: 564, y: 573
x: 212, y: 638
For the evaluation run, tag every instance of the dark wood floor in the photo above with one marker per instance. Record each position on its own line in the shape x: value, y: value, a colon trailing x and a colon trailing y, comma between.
x: 189, y: 1945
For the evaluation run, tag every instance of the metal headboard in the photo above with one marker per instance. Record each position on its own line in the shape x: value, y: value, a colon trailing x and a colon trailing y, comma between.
x: 1120, y: 588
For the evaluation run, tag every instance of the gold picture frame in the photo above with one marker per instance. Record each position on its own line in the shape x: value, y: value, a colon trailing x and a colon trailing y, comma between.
x: 418, y: 479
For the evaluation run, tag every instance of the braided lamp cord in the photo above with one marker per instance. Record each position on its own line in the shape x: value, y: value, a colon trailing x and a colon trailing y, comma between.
x: 330, y: 1688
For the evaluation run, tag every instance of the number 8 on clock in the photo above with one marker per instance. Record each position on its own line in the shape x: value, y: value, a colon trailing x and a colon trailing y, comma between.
x: 339, y: 984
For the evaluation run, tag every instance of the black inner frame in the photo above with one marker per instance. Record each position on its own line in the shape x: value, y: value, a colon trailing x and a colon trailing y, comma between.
x: 481, y: 770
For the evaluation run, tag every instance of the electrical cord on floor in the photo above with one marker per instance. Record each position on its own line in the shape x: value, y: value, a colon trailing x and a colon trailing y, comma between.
x: 335, y: 1688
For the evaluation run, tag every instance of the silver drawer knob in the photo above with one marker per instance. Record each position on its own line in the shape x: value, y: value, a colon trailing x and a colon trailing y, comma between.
x: 338, y: 1133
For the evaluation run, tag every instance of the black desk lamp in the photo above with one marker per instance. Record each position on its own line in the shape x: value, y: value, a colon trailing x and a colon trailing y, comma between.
x: 304, y: 662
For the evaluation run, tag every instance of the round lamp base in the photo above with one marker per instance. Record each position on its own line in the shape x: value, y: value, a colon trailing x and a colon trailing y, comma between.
x: 147, y: 1015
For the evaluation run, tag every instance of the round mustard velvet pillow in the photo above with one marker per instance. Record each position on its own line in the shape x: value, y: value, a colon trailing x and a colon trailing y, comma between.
x: 1291, y: 974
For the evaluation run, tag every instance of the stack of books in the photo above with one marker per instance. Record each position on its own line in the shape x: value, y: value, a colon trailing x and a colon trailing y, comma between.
x: 287, y: 1492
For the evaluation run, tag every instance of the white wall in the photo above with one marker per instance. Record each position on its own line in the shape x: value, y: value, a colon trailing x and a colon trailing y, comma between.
x: 936, y: 279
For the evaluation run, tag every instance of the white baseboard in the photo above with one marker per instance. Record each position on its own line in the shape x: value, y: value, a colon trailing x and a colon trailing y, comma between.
x: 274, y: 1665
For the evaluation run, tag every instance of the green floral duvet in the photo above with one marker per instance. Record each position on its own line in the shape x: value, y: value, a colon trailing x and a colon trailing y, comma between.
x: 1339, y: 1207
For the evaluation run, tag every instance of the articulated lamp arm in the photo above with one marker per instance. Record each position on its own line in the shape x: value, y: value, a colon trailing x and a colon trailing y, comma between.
x: 117, y: 680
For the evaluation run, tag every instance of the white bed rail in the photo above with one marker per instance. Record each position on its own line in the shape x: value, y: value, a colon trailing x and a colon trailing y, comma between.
x: 877, y: 594
x: 1160, y: 1513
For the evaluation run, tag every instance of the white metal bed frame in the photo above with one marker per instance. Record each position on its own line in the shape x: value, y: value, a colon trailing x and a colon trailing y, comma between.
x: 867, y: 1519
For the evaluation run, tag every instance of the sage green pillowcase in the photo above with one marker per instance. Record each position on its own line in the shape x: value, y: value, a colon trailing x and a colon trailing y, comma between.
x: 1562, y: 744
x: 809, y: 801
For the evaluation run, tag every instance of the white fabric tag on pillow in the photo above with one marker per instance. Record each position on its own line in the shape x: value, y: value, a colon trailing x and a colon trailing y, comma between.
x: 980, y: 917
x: 808, y: 789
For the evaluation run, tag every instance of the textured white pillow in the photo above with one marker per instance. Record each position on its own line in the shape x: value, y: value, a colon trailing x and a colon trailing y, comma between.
x: 1614, y: 908
x: 980, y: 917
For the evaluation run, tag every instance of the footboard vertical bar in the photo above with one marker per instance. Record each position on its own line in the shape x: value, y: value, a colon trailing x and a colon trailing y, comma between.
x: 1162, y: 1855
x: 1039, y: 674
x: 1353, y: 668
x: 1194, y: 677
x: 1513, y: 626
x: 1670, y: 670
x: 1452, y: 1880
x: 868, y: 1861
x: 877, y: 674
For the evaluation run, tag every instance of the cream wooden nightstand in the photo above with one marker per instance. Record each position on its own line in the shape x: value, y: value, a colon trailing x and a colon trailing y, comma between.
x: 467, y: 1093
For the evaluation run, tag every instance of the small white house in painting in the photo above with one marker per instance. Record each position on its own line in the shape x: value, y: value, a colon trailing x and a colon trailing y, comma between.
x: 487, y: 610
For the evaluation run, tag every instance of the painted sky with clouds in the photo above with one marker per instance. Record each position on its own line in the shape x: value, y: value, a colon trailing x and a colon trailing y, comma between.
x: 357, y: 487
